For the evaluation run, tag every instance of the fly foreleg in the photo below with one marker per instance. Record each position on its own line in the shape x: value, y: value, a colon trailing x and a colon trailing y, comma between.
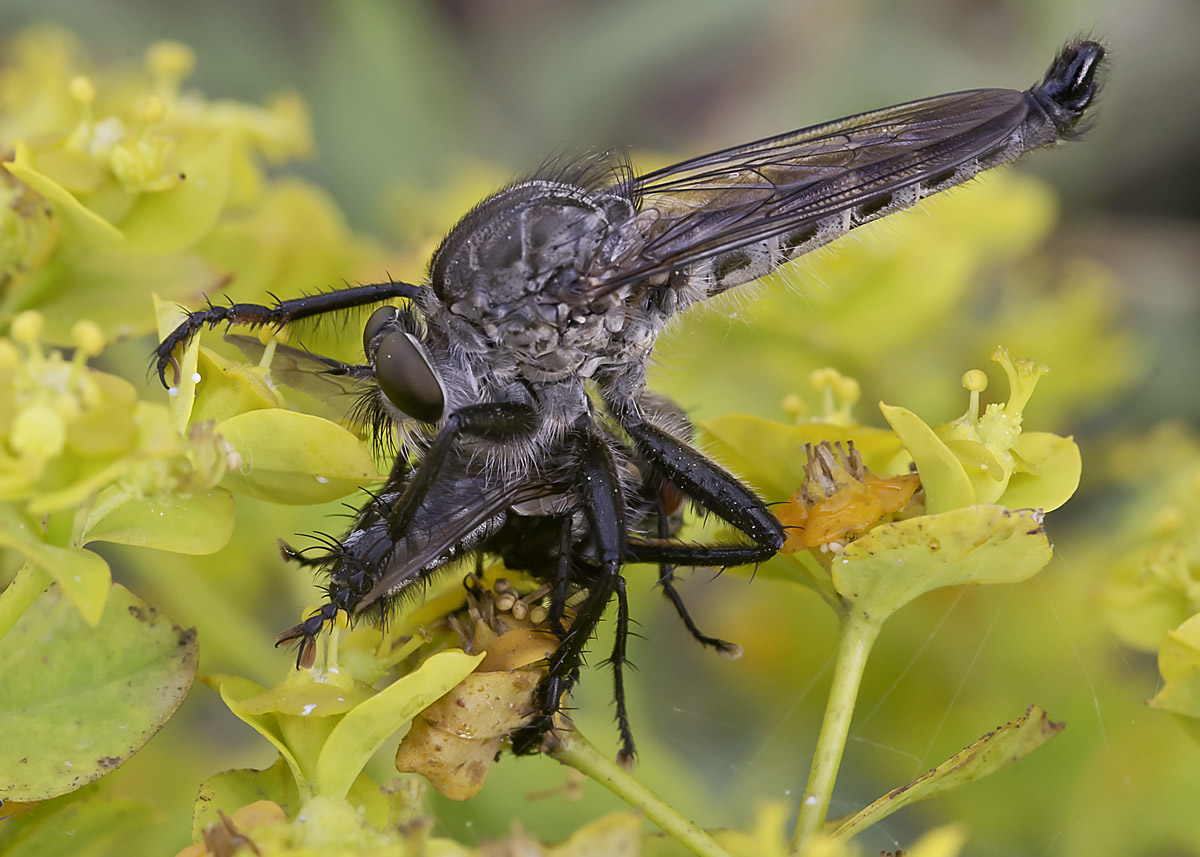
x: 495, y: 422
x: 275, y: 317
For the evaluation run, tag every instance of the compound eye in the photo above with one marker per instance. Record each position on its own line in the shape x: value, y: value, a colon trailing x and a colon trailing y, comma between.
x: 406, y: 377
x: 383, y: 317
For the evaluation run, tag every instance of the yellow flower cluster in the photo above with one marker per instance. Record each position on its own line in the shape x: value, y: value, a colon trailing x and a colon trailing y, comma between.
x: 983, y: 480
x: 69, y: 430
x: 119, y: 182
x: 1151, y: 599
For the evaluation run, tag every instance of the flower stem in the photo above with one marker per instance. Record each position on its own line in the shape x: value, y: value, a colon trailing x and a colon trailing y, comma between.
x: 857, y: 636
x: 577, y: 752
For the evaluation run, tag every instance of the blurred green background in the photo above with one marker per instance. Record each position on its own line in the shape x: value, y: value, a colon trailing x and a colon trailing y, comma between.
x: 409, y: 97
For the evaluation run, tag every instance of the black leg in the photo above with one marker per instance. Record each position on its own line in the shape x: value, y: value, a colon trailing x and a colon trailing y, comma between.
x: 493, y: 421
x: 711, y: 487
x: 666, y: 579
x: 619, y: 659
x: 723, y: 646
x: 562, y: 580
x: 290, y: 554
x: 683, y: 553
x: 282, y: 313
x: 306, y: 633
x: 599, y: 492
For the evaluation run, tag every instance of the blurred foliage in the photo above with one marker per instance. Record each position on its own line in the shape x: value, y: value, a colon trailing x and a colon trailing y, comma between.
x: 96, y: 218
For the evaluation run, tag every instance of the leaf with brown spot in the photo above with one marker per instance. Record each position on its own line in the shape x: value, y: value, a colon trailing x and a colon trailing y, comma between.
x: 76, y: 701
x: 896, y: 563
x: 229, y: 790
x: 993, y: 751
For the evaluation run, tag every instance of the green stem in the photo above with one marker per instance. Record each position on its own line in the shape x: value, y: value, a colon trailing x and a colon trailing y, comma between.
x: 857, y: 636
x: 577, y: 752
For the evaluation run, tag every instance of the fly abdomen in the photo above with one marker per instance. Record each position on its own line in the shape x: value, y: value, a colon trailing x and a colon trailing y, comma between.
x: 746, y: 264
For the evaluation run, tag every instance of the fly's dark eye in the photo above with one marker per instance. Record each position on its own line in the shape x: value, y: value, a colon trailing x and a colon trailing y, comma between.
x: 381, y: 318
x: 406, y: 377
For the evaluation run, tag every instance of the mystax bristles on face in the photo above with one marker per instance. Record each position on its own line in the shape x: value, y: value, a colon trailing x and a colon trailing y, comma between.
x: 515, y: 378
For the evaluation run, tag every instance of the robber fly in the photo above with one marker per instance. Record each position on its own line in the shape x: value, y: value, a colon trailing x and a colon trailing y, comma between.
x: 515, y: 375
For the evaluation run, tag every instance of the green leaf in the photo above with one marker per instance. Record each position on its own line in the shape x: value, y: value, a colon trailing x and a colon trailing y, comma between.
x: 77, y: 701
x: 986, y: 756
x: 82, y: 226
x: 234, y: 691
x: 183, y: 390
x: 943, y: 477
x: 895, y: 563
x: 227, y: 389
x: 93, y: 827
x: 294, y: 458
x: 230, y: 790
x: 83, y: 576
x: 364, y: 729
x: 195, y: 524
x: 1179, y: 663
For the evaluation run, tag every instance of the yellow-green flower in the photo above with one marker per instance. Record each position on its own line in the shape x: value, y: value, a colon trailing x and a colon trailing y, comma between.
x: 113, y: 180
x: 61, y: 420
x: 69, y: 431
x: 987, y: 458
x: 327, y: 722
x: 1179, y: 663
x: 872, y: 544
x: 83, y: 460
x: 1154, y: 578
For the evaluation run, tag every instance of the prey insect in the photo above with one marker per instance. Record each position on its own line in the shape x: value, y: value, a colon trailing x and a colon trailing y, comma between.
x: 515, y: 374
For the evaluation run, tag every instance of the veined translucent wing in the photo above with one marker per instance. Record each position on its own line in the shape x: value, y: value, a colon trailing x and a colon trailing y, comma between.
x: 734, y: 215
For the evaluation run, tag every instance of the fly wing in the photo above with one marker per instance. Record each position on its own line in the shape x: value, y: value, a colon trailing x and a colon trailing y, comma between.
x: 337, y: 390
x: 319, y: 376
x: 459, y: 513
x: 733, y: 216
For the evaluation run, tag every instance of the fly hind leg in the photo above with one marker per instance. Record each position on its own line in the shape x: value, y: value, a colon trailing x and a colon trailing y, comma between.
x: 666, y: 579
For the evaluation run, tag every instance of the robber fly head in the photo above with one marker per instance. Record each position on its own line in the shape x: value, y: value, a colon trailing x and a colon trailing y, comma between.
x: 406, y: 376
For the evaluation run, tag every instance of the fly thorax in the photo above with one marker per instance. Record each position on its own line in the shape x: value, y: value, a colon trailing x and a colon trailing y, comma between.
x: 513, y: 270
